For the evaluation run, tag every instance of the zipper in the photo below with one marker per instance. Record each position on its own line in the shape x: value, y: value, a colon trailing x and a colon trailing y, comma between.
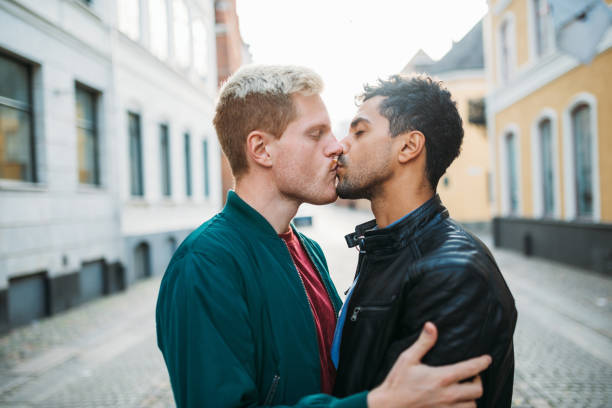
x: 272, y: 390
x: 359, y: 309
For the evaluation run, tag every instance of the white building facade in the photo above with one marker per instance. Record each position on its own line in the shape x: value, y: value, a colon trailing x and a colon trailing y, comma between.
x: 108, y: 157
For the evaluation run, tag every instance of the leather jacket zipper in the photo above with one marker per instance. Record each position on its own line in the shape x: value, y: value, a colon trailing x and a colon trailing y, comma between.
x: 359, y: 309
x: 272, y: 390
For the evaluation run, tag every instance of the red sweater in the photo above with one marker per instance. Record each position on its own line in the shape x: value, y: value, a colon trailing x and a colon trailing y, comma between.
x: 320, y: 304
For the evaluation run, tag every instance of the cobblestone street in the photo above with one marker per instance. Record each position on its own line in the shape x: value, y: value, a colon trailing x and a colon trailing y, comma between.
x: 104, y: 353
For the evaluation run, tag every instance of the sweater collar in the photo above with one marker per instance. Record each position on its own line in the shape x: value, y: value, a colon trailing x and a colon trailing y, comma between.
x: 237, y: 209
x: 397, y: 235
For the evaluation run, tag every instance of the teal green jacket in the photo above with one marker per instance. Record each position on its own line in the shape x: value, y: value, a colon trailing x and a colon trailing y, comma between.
x: 233, y: 320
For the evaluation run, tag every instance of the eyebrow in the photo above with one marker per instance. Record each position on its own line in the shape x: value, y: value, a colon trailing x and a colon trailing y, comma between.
x: 322, y: 126
x: 358, y: 120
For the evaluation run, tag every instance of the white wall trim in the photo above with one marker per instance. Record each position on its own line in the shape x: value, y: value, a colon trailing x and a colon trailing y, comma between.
x: 502, y: 154
x: 569, y: 166
x: 536, y: 168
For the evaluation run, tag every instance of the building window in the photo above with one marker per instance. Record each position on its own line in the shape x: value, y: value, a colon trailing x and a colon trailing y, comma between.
x: 505, y: 50
x: 182, y: 37
x: 158, y: 17
x: 547, y: 167
x: 200, y: 48
x: 512, y: 181
x: 187, y: 164
x: 87, y: 136
x: 129, y: 18
x: 164, y: 142
x: 142, y: 261
x: 136, y: 170
x: 16, y: 130
x: 206, y: 170
x: 543, y: 26
x: 581, y: 129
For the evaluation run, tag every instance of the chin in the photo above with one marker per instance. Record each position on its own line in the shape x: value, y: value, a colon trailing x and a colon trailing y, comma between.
x: 322, y: 199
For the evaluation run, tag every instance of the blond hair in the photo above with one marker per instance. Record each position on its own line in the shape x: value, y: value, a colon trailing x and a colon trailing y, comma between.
x: 258, y: 97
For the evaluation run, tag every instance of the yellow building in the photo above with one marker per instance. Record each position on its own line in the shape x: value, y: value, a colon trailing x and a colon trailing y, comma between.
x: 464, y: 189
x: 549, y: 122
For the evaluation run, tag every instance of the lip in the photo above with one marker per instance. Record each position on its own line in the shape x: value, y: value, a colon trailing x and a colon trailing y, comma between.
x: 334, y: 165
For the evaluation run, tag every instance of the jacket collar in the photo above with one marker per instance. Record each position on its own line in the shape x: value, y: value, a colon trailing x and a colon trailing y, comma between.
x: 398, y: 235
x: 237, y: 209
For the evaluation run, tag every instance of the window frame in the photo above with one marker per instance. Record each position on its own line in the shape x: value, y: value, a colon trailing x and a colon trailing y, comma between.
x: 166, y: 190
x: 96, y: 96
x: 141, y: 178
x: 504, y: 173
x: 537, y: 171
x: 206, y: 165
x: 509, y: 21
x: 28, y: 108
x: 188, y: 164
x: 569, y: 175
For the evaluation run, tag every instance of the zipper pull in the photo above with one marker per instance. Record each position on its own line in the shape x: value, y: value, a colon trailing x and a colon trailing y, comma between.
x: 355, y: 313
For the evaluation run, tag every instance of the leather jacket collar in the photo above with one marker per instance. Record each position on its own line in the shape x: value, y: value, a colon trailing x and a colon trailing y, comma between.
x: 372, y: 239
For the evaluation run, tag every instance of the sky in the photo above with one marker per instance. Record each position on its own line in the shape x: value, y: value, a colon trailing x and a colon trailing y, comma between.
x: 352, y: 42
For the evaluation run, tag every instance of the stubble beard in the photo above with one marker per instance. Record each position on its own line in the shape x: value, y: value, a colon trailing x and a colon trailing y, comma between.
x: 365, y: 184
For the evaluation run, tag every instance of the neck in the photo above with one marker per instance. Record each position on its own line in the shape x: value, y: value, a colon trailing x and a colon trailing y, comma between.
x: 397, y: 198
x: 261, y: 194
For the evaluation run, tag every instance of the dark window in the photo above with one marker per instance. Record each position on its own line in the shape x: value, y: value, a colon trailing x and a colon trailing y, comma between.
x: 504, y: 34
x: 542, y: 26
x: 581, y: 127
x: 476, y: 111
x: 16, y: 130
x: 164, y: 142
x: 142, y: 261
x: 206, y: 172
x: 87, y: 136
x: 546, y: 157
x: 187, y: 164
x: 135, y: 140
x: 27, y: 299
x: 512, y: 173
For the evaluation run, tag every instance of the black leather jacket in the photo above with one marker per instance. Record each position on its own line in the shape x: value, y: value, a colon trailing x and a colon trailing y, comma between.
x: 426, y: 268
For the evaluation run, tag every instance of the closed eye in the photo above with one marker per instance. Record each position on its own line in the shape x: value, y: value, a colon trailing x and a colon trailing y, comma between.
x: 359, y: 132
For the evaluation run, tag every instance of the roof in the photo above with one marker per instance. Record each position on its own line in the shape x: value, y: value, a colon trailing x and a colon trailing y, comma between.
x: 466, y: 54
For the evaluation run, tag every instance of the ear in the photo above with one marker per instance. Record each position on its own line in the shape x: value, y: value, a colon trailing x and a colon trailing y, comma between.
x: 412, y: 145
x: 257, y: 147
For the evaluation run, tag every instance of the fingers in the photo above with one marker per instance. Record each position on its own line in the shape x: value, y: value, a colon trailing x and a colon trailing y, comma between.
x: 424, y: 343
x: 468, y: 391
x: 467, y: 369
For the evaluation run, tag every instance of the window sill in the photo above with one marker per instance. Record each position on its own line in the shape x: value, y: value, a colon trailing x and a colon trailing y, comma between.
x: 137, y: 201
x: 17, y: 185
x: 91, y: 189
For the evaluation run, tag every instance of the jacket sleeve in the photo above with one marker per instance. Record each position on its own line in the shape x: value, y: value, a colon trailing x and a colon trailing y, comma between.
x: 456, y: 299
x: 204, y: 333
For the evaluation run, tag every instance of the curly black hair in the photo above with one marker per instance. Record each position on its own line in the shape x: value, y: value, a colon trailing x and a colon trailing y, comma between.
x: 423, y: 104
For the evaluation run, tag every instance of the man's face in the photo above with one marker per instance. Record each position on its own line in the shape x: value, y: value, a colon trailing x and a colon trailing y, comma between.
x: 305, y: 154
x: 367, y: 159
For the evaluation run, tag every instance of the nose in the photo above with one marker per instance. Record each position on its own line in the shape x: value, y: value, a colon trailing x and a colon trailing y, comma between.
x: 346, y: 145
x: 334, y: 148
